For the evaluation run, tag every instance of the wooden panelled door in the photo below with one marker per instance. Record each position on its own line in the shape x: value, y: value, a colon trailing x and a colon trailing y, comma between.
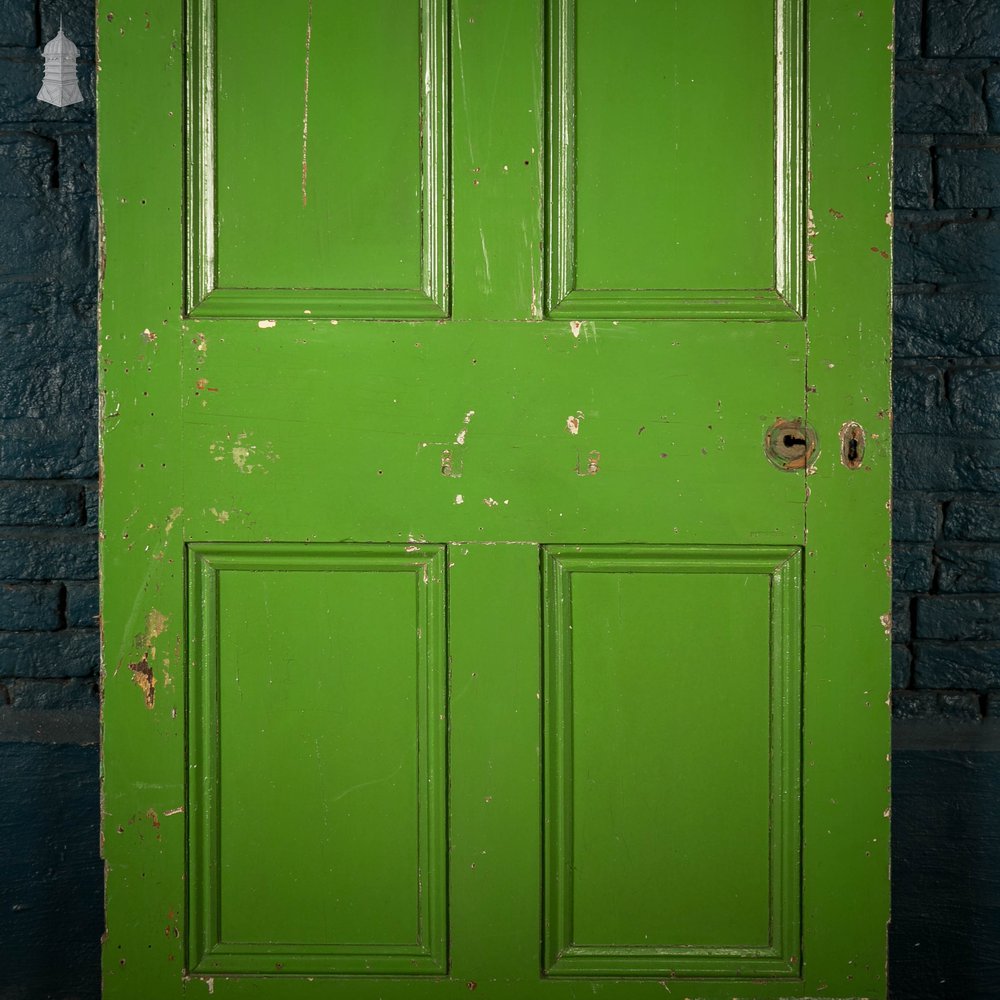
x: 495, y: 438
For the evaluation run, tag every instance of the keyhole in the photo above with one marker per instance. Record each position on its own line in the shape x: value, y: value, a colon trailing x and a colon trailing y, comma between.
x: 852, y: 445
x: 790, y: 444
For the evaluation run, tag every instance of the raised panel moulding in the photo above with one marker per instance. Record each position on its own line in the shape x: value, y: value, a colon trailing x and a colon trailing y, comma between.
x: 316, y: 773
x: 279, y: 217
x: 672, y: 693
x: 781, y: 295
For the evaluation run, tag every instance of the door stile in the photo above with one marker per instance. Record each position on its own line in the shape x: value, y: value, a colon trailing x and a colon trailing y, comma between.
x: 847, y: 518
x: 144, y: 515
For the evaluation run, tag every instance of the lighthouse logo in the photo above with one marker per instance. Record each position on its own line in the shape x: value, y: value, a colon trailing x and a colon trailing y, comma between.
x: 59, y: 85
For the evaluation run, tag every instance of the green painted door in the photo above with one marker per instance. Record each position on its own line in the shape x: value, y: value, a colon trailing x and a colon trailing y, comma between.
x: 495, y: 440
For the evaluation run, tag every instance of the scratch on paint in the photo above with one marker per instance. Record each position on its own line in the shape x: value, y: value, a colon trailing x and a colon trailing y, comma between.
x: 488, y: 281
x: 366, y: 784
x: 305, y: 109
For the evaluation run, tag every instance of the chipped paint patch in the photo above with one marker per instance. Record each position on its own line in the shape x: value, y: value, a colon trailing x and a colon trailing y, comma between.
x: 588, y: 329
x: 490, y: 502
x: 459, y: 499
x: 886, y: 621
x: 149, y: 336
x: 245, y: 455
x: 171, y: 518
x: 573, y: 423
x: 460, y: 436
x: 812, y: 232
x: 592, y: 465
x: 156, y: 625
x: 450, y: 465
x: 267, y: 324
x: 222, y: 516
x: 142, y: 675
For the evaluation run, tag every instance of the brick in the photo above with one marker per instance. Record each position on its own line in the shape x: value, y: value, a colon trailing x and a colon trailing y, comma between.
x: 912, y: 568
x: 41, y: 385
x: 919, y: 402
x: 974, y: 665
x: 69, y: 653
x: 17, y: 26
x: 974, y: 393
x: 78, y: 163
x: 957, y: 706
x: 975, y: 520
x: 947, y: 323
x: 902, y: 665
x: 82, y: 604
x: 30, y: 606
x: 35, y: 341
x: 51, y: 235
x: 915, y: 517
x: 968, y: 568
x: 958, y: 618
x: 909, y: 29
x: 54, y: 554
x: 20, y: 79
x: 940, y: 97
x: 901, y: 615
x: 48, y: 448
x: 968, y: 176
x: 993, y: 98
x: 50, y: 694
x: 963, y: 28
x: 913, y: 176
x: 928, y: 462
x: 92, y: 500
x: 27, y: 164
x: 956, y: 251
x: 77, y: 18
x: 28, y: 303
x: 28, y: 503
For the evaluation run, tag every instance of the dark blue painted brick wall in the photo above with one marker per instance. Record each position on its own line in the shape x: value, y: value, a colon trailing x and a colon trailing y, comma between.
x: 50, y: 871
x: 48, y: 396
x: 946, y: 654
x: 946, y: 518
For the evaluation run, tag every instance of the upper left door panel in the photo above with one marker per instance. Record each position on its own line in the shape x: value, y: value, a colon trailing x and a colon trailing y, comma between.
x: 317, y: 159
